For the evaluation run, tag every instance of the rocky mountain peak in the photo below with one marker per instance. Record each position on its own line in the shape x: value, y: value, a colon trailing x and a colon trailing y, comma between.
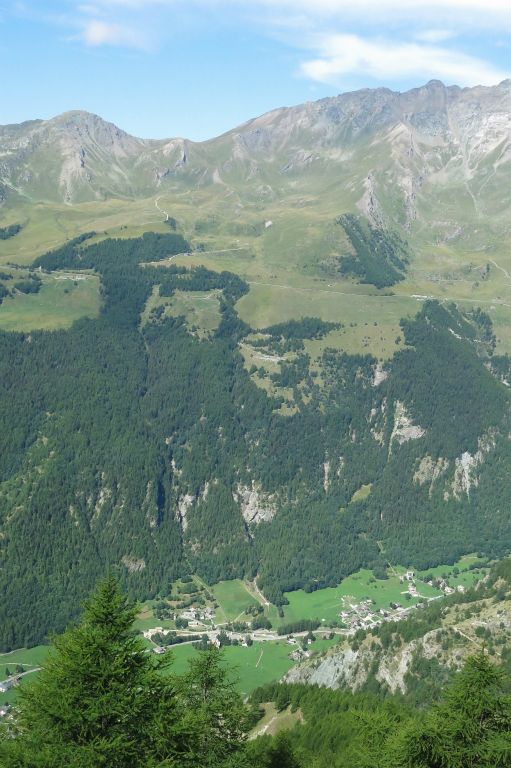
x: 426, y: 131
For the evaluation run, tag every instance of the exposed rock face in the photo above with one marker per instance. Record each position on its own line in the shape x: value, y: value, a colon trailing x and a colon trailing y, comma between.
x: 256, y: 506
x: 184, y: 504
x: 326, y: 476
x: 76, y: 156
x: 133, y: 564
x: 404, y: 428
x: 465, y: 476
x: 429, y: 471
x: 379, y: 375
x: 349, y: 670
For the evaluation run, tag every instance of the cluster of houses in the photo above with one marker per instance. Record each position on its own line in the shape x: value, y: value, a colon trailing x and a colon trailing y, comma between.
x: 409, y: 577
x: 440, y: 584
x: 363, y: 616
x: 299, y: 654
x: 448, y: 590
x: 213, y: 638
x: 355, y: 616
x: 445, y: 587
x: 197, y: 617
x: 360, y: 616
x: 6, y: 685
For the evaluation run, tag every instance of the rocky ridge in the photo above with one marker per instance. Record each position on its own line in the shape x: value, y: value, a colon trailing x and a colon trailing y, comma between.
x: 386, y: 150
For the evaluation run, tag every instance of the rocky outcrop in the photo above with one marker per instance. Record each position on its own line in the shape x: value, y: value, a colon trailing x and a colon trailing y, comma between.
x: 466, y: 465
x: 404, y: 428
x: 448, y: 645
x: 256, y: 506
x: 428, y: 471
x: 184, y: 504
x: 133, y: 564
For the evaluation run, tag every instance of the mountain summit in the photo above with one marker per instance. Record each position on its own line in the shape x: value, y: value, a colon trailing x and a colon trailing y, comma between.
x: 385, y: 151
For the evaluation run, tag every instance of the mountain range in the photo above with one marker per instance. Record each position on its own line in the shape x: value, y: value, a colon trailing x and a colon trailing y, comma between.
x: 296, y: 362
x: 395, y: 155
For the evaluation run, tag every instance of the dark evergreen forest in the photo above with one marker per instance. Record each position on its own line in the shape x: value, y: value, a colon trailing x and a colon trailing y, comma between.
x: 107, y: 427
x: 379, y: 257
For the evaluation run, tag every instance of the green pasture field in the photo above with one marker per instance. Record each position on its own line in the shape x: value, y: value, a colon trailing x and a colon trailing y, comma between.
x: 144, y: 622
x: 370, y: 321
x: 201, y: 309
x: 28, y: 657
x: 466, y: 578
x: 257, y: 665
x: 47, y: 225
x: 249, y: 667
x: 333, y: 301
x: 274, y: 722
x: 362, y: 493
x: 284, y: 264
x: 9, y: 697
x: 232, y: 598
x: 60, y: 301
x: 325, y: 604
x: 252, y: 666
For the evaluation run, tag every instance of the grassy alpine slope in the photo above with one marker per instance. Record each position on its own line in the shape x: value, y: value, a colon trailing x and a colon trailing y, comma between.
x: 271, y: 192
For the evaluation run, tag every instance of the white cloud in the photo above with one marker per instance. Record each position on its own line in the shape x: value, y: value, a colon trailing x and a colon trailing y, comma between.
x: 408, y: 8
x: 96, y: 33
x: 341, y: 55
x: 405, y: 8
x: 435, y: 35
x: 339, y: 38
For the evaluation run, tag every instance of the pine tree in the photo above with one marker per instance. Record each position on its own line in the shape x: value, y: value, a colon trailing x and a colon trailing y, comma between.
x: 100, y: 699
x: 471, y: 728
x: 212, y: 710
x: 270, y: 752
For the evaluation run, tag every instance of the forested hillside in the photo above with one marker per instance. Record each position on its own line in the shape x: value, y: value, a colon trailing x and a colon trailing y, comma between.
x: 135, y: 442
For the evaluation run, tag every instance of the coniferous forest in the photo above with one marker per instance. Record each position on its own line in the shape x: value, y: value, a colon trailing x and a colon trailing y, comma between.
x: 127, y: 445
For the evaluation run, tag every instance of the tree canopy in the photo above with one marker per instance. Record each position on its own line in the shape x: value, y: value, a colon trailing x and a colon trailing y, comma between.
x: 103, y: 699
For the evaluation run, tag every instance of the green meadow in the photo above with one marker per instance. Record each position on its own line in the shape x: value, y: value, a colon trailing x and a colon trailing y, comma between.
x: 148, y: 621
x: 325, y: 604
x: 249, y: 667
x: 362, y: 493
x: 232, y: 598
x: 465, y: 577
x: 60, y: 301
x: 252, y: 666
x: 201, y: 309
x: 288, y: 267
x: 28, y: 657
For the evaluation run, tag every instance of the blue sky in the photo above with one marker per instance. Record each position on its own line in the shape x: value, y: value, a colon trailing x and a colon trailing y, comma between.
x: 195, y: 68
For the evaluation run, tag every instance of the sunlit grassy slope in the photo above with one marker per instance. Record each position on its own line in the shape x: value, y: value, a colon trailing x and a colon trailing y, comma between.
x: 61, y: 300
x: 284, y: 241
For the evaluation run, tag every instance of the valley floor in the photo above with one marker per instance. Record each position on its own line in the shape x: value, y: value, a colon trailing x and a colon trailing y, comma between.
x: 359, y: 602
